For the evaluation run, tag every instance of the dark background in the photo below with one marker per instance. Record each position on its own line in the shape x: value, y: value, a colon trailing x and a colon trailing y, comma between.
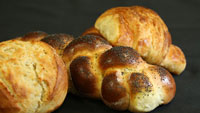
x: 18, y: 17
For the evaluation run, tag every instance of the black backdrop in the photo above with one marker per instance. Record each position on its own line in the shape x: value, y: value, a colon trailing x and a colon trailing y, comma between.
x: 18, y: 17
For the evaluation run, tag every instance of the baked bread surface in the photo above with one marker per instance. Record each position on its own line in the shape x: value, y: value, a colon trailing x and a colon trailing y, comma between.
x: 33, y: 78
x: 142, y: 29
x: 117, y: 75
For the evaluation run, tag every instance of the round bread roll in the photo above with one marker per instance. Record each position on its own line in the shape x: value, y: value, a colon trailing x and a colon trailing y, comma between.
x: 143, y: 30
x: 33, y: 78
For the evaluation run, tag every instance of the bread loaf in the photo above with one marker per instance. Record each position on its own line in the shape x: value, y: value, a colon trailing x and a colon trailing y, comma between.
x: 33, y: 78
x: 117, y: 75
x: 142, y: 29
x: 57, y: 41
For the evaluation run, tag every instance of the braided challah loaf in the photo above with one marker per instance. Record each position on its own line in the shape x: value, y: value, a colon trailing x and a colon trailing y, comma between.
x: 117, y: 75
x: 143, y: 30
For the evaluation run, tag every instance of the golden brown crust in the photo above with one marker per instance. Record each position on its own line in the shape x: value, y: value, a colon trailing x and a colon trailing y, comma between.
x: 58, y: 41
x: 168, y: 84
x: 119, y: 57
x: 34, y: 36
x: 111, y: 89
x: 119, y: 75
x: 142, y: 29
x: 175, y: 60
x: 91, y: 31
x: 8, y: 103
x: 61, y: 84
x: 114, y: 93
x: 83, y: 79
x: 138, y: 86
x: 33, y: 77
x: 82, y: 48
x: 87, y: 42
x: 138, y: 82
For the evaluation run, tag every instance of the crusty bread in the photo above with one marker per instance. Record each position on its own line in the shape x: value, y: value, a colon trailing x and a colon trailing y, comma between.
x: 142, y: 29
x: 33, y: 78
x: 117, y: 75
x: 58, y: 41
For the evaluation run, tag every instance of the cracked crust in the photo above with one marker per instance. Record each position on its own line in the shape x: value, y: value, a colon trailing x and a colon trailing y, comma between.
x: 43, y: 80
x: 137, y: 27
x: 144, y: 30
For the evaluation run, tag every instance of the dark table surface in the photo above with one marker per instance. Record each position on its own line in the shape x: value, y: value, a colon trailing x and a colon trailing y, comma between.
x: 182, y: 17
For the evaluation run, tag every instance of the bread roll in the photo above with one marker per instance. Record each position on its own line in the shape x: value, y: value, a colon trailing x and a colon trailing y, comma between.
x: 142, y: 29
x: 57, y: 41
x: 33, y: 78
